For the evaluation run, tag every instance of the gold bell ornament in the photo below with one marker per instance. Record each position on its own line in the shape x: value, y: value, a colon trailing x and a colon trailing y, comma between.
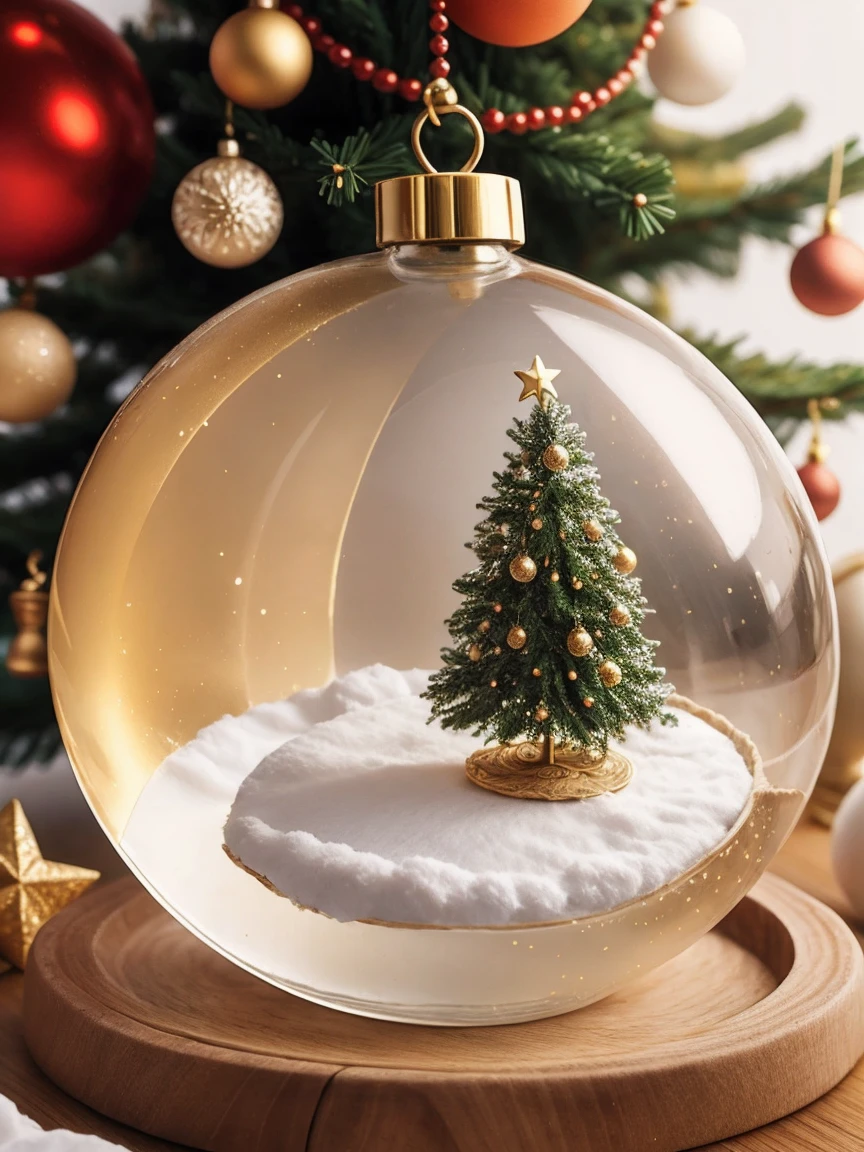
x: 227, y: 211
x: 27, y: 657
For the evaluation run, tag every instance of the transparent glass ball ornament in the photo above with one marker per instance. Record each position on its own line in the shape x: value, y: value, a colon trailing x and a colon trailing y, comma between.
x: 286, y: 497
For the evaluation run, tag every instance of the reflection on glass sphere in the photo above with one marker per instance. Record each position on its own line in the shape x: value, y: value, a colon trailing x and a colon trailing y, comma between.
x: 287, y: 497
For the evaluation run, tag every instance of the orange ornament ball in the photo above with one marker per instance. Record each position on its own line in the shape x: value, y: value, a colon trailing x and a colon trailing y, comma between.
x: 827, y: 275
x: 821, y: 486
x: 515, y: 23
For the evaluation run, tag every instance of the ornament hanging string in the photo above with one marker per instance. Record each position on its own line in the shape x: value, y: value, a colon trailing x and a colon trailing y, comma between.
x: 835, y: 187
x: 385, y: 80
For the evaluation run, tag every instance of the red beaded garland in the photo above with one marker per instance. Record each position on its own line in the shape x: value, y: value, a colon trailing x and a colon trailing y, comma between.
x: 493, y: 120
x: 385, y: 80
x: 340, y: 56
x: 410, y: 89
x: 364, y: 68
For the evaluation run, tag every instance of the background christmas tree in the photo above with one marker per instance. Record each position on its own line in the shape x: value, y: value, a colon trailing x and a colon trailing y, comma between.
x: 547, y: 639
x: 129, y: 306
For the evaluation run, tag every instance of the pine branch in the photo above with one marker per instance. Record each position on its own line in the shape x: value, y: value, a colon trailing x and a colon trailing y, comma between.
x: 362, y: 160
x: 676, y: 144
x: 779, y: 390
x: 594, y: 168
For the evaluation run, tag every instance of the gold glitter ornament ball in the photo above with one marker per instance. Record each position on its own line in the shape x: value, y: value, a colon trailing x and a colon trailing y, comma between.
x: 593, y: 529
x: 261, y: 57
x: 624, y: 561
x: 517, y: 637
x: 620, y: 616
x: 37, y: 366
x: 579, y: 642
x: 523, y: 569
x: 609, y: 673
x: 474, y: 653
x: 227, y: 211
x: 556, y: 458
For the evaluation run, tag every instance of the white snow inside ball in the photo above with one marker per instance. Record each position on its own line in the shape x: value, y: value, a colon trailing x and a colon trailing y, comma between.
x: 369, y: 815
x: 698, y: 57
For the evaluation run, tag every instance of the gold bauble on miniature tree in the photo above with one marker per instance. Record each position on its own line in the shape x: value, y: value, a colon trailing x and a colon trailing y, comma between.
x: 619, y: 616
x: 624, y: 561
x: 37, y: 366
x: 579, y: 642
x: 609, y: 673
x: 593, y: 529
x: 523, y: 569
x: 227, y: 211
x: 517, y: 637
x: 261, y: 57
x: 556, y: 458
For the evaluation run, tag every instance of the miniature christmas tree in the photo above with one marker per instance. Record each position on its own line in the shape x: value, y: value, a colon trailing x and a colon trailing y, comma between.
x: 547, y: 642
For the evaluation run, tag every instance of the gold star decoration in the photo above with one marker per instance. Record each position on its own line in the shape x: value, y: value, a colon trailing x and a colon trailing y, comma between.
x: 537, y: 381
x: 31, y: 889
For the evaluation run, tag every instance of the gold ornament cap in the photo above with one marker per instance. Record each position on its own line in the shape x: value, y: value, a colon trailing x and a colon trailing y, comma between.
x: 465, y: 207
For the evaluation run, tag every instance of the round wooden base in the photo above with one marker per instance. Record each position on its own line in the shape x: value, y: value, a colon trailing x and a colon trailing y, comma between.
x: 131, y: 1014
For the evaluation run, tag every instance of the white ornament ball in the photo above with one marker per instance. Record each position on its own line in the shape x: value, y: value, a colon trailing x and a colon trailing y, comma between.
x: 698, y: 57
x: 847, y: 847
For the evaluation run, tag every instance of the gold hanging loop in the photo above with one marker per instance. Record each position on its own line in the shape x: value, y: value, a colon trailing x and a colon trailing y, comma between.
x: 440, y: 99
x: 835, y: 187
x: 818, y: 452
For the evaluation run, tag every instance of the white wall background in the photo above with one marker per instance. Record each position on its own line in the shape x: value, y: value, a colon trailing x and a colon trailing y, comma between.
x: 797, y: 50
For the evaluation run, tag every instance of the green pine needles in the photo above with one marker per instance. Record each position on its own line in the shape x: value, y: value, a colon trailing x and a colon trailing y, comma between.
x: 547, y: 642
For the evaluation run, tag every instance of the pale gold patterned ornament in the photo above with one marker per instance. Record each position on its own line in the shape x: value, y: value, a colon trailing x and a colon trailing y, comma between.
x: 484, y: 626
x: 517, y: 637
x: 537, y: 524
x: 579, y: 642
x: 620, y: 616
x: 31, y: 889
x: 593, y: 529
x: 227, y: 211
x: 609, y: 673
x: 474, y: 653
x: 523, y: 569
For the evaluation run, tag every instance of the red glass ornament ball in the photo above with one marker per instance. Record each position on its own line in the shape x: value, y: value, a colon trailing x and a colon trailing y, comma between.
x: 821, y: 486
x: 827, y: 275
x: 76, y: 122
x: 515, y: 23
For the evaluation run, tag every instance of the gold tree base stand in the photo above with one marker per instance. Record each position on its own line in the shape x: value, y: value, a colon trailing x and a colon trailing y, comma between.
x: 530, y: 771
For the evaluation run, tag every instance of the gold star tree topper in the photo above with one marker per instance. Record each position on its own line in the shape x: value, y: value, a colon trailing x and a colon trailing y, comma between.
x: 537, y: 381
x: 31, y: 889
